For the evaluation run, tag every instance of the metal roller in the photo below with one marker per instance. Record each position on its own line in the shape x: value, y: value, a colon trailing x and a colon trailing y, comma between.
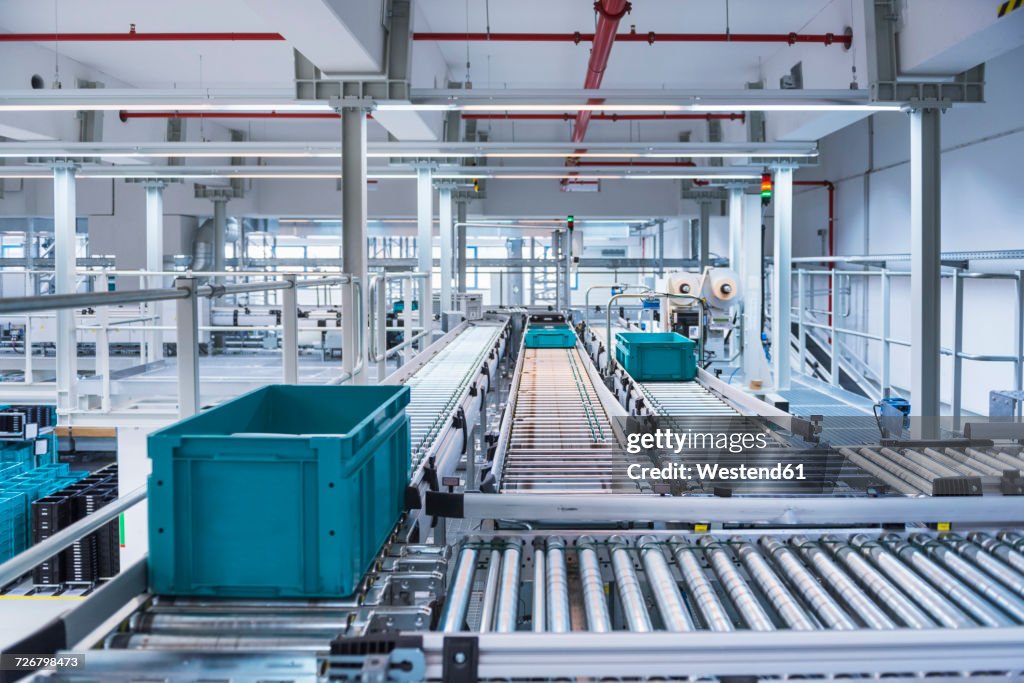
x: 181, y: 643
x: 847, y: 591
x: 823, y: 604
x: 328, y: 625
x: 1009, y: 461
x: 936, y: 468
x: 966, y: 460
x: 508, y: 593
x: 1004, y: 551
x: 539, y: 589
x: 1006, y: 574
x: 984, y: 458
x: 557, y: 587
x: 982, y: 582
x: 899, y: 459
x: 782, y: 600
x: 881, y: 473
x: 952, y: 587
x: 876, y: 584
x: 923, y: 594
x: 628, y: 585
x: 457, y: 601
x: 666, y: 593
x: 490, y: 591
x: 697, y: 585
x: 950, y: 463
x: 594, y: 602
x: 742, y: 596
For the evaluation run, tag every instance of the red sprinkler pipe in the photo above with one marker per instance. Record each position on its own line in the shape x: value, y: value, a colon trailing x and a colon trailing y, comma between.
x: 831, y: 187
x: 125, y: 115
x: 133, y: 37
x: 607, y: 117
x: 650, y: 37
x: 609, y: 13
x: 627, y: 164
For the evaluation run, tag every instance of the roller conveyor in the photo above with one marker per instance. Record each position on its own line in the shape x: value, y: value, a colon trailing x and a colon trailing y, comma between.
x: 561, y: 438
x: 439, y: 385
x: 775, y: 582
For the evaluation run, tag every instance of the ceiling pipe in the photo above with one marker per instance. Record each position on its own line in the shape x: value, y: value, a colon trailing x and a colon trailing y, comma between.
x: 133, y: 37
x: 609, y: 13
x: 126, y: 115
x: 845, y: 39
x: 607, y: 117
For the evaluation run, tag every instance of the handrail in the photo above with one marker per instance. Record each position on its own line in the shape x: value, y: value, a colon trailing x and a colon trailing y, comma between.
x: 21, y: 564
x: 52, y: 302
x: 624, y: 286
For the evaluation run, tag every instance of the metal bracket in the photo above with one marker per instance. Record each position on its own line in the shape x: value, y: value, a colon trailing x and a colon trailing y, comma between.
x: 461, y: 657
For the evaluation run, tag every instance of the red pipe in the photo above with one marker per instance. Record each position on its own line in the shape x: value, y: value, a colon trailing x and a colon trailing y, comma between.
x: 831, y: 187
x: 656, y: 164
x: 132, y: 36
x: 609, y: 13
x: 607, y: 117
x: 650, y: 37
x: 125, y: 115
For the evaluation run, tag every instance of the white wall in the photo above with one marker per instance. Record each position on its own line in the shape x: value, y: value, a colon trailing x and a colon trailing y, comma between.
x: 981, y: 210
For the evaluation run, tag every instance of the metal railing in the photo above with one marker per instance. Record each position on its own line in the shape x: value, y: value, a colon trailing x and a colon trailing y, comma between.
x: 186, y: 292
x: 806, y: 319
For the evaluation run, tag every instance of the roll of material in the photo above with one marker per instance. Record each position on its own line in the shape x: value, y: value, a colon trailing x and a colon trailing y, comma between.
x: 685, y: 283
x: 721, y: 287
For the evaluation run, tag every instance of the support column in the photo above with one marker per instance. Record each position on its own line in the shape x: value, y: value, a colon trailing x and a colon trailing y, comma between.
x: 782, y: 285
x: 187, y: 324
x: 750, y: 276
x: 460, y: 221
x: 735, y: 226
x: 705, y: 235
x: 290, y: 332
x: 925, y: 261
x: 353, y: 222
x: 425, y: 249
x: 220, y: 228
x: 567, y: 261
x: 155, y: 258
x: 444, y: 210
x: 661, y: 247
x: 515, y: 279
x: 64, y: 229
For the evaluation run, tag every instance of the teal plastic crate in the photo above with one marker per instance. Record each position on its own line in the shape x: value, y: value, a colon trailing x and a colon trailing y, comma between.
x: 550, y: 337
x: 287, y: 491
x: 656, y: 356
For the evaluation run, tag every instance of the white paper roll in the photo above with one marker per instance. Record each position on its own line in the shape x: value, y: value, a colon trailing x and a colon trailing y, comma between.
x: 722, y: 286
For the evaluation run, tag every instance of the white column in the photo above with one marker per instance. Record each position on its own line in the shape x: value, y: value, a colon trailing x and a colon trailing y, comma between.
x: 925, y: 261
x: 750, y: 277
x: 154, y: 259
x: 353, y: 222
x: 782, y: 284
x: 187, y: 348
x: 425, y: 248
x: 220, y: 228
x: 705, y: 235
x: 444, y: 210
x: 460, y: 246
x: 290, y: 332
x: 65, y: 263
x: 735, y: 226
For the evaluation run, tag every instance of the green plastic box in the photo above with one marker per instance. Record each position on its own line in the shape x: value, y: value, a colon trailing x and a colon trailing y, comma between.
x: 287, y: 491
x: 656, y: 356
x: 550, y: 337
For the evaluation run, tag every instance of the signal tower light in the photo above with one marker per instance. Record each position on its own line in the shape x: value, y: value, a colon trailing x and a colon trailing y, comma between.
x: 766, y: 188
x: 570, y: 222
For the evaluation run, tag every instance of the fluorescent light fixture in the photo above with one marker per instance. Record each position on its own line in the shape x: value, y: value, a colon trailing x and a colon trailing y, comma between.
x: 796, y: 107
x: 606, y: 106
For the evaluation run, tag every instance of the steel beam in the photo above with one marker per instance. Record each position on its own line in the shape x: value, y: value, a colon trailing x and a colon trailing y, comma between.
x: 65, y: 238
x: 750, y: 277
x: 155, y: 255
x: 460, y: 243
x: 425, y: 247
x: 187, y: 348
x: 782, y: 284
x: 705, y: 235
x: 925, y: 262
x: 444, y: 211
x: 353, y: 222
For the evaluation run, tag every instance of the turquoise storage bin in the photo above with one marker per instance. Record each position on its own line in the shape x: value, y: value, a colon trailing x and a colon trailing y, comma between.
x: 550, y: 337
x: 656, y: 356
x: 287, y: 491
